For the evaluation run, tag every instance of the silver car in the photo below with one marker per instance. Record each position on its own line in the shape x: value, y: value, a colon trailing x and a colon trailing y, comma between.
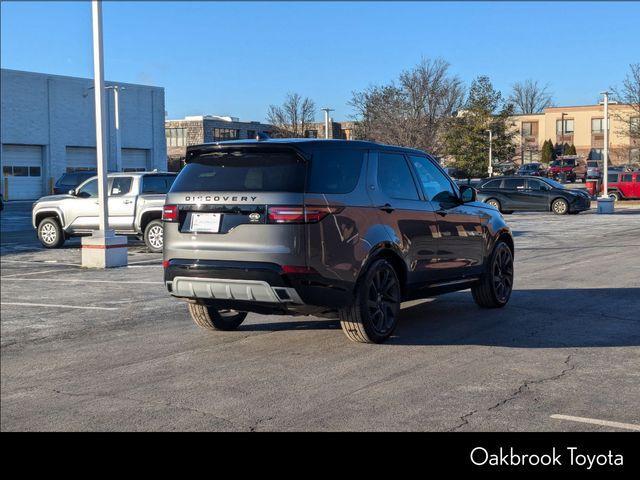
x: 135, y: 208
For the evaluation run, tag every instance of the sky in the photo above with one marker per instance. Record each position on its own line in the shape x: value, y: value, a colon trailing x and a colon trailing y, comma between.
x: 237, y: 58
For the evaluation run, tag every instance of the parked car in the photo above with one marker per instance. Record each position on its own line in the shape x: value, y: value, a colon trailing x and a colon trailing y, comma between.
x: 624, y: 185
x: 70, y: 181
x: 329, y: 227
x: 135, y: 208
x: 509, y: 194
x: 571, y: 167
x: 505, y: 168
x: 456, y: 173
x: 534, y: 169
x: 594, y: 169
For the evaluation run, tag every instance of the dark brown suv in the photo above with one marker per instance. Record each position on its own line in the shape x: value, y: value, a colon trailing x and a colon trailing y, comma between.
x: 326, y: 227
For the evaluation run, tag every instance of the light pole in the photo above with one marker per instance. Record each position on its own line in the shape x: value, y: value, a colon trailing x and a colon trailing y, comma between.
x: 605, y: 204
x: 116, y: 118
x: 101, y: 141
x: 326, y: 121
x: 490, y: 169
x: 102, y: 249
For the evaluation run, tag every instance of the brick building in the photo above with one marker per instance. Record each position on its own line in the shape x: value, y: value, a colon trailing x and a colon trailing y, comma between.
x: 193, y: 130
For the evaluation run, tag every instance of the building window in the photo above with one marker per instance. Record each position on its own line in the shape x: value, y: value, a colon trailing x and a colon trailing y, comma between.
x: 597, y: 125
x: 347, y: 134
x: 596, y: 154
x: 311, y: 133
x: 568, y: 126
x: 222, y: 134
x: 251, y: 134
x: 176, y: 137
x: 634, y: 124
x: 529, y: 128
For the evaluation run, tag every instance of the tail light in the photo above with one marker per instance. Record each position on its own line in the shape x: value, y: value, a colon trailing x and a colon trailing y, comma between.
x: 293, y: 269
x: 299, y: 214
x: 170, y: 213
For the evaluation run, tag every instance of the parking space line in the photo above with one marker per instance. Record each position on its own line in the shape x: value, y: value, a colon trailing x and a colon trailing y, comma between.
x: 35, y: 262
x: 34, y: 273
x: 595, y: 421
x: 23, y: 304
x: 79, y: 280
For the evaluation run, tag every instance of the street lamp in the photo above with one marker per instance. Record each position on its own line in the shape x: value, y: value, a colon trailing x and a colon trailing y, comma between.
x: 326, y: 121
x: 605, y: 203
x: 490, y: 169
x: 116, y: 118
x: 103, y: 248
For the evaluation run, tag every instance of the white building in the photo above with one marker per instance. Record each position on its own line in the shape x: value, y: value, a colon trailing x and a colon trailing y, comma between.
x: 48, y: 128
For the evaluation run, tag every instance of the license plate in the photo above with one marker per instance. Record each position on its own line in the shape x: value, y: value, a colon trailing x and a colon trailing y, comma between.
x: 205, y: 222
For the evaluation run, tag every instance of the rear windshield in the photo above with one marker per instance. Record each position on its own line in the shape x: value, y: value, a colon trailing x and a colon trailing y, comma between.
x: 157, y: 183
x: 328, y: 171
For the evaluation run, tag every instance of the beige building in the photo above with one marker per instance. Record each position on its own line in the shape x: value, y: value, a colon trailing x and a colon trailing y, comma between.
x: 582, y: 126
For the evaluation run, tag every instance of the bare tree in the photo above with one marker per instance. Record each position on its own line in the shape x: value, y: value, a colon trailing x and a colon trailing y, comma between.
x: 529, y: 97
x: 629, y: 93
x: 293, y: 117
x: 411, y: 111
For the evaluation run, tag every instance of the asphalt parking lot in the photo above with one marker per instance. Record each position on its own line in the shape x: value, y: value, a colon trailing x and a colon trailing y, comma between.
x: 110, y: 350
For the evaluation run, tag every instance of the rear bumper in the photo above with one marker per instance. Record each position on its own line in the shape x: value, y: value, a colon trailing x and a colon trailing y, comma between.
x: 246, y: 284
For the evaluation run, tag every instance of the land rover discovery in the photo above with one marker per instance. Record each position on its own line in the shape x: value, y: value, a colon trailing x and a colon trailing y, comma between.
x: 326, y: 227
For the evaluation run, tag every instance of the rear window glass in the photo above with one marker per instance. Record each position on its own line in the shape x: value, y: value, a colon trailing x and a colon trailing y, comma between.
x: 157, y: 183
x: 242, y: 171
x: 330, y: 171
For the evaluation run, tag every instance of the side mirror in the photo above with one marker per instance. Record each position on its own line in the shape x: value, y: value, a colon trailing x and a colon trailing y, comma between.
x: 468, y: 194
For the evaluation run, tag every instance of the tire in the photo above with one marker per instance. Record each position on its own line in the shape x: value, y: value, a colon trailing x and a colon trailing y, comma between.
x: 50, y: 233
x: 374, y: 314
x: 494, y: 203
x: 209, y: 317
x: 153, y: 236
x: 616, y: 196
x: 507, y: 212
x: 496, y: 283
x: 560, y: 206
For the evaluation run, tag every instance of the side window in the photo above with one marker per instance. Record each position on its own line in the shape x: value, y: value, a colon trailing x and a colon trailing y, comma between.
x: 612, y: 177
x: 120, y: 186
x: 89, y: 190
x: 394, y: 177
x: 536, y: 185
x: 513, y: 183
x: 627, y: 177
x: 334, y: 171
x: 493, y: 184
x: 435, y: 184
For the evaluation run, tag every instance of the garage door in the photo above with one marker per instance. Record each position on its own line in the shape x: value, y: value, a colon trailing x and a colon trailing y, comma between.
x: 81, y: 158
x: 22, y: 172
x: 134, y: 159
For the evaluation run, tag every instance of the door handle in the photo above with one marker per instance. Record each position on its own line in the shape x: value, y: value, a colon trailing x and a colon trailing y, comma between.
x: 126, y: 201
x: 386, y: 208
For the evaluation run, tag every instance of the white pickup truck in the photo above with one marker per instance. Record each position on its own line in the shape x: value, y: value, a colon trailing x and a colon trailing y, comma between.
x: 135, y: 208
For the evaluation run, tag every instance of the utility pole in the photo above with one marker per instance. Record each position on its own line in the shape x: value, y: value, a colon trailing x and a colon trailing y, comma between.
x: 490, y: 170
x: 326, y: 121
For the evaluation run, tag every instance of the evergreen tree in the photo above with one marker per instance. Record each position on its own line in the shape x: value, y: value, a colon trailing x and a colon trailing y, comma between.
x: 547, y: 154
x: 572, y: 150
x: 467, y: 139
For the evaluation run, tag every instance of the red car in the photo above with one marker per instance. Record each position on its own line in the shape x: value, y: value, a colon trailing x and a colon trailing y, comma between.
x: 572, y: 166
x: 624, y: 185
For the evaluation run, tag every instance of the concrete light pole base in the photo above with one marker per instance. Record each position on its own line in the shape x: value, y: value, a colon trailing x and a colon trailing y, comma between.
x: 104, y: 250
x: 605, y: 205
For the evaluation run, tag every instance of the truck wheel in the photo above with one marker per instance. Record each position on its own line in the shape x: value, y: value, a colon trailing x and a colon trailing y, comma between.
x: 374, y: 314
x: 496, y: 283
x: 210, y: 318
x: 560, y: 206
x: 615, y: 196
x: 50, y: 233
x: 153, y: 236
